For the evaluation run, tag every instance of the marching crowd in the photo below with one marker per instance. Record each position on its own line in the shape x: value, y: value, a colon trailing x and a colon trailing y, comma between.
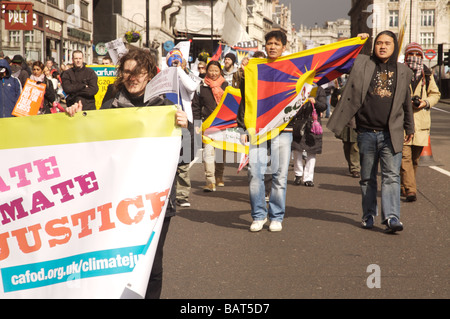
x: 381, y: 114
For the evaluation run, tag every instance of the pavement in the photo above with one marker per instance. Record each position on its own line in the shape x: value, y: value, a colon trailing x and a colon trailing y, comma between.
x: 322, y: 252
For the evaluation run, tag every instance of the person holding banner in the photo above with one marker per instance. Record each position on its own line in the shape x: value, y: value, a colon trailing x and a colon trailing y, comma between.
x: 135, y: 70
x: 205, y: 101
x: 9, y: 91
x: 377, y: 93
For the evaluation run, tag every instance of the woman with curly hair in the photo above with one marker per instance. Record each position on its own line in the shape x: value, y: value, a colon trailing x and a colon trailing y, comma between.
x: 135, y: 70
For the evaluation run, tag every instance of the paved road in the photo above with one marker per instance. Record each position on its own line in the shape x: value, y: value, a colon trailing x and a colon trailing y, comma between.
x: 322, y: 252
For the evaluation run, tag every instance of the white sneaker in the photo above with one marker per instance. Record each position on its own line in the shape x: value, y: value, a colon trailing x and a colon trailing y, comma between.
x: 257, y: 225
x: 275, y: 226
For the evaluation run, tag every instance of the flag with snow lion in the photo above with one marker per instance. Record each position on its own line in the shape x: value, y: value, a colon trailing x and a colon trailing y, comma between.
x: 276, y: 89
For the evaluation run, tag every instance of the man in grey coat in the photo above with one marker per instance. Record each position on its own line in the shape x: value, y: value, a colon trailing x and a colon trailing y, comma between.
x: 377, y: 95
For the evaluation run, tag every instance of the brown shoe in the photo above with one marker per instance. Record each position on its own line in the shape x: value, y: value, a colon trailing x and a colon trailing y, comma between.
x: 356, y: 174
x: 209, y: 188
x: 411, y: 197
x: 219, y: 182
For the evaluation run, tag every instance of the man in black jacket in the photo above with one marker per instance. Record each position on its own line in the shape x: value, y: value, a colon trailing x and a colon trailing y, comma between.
x: 377, y: 94
x: 80, y: 83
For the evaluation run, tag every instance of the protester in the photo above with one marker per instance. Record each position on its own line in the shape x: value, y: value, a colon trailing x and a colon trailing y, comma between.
x: 187, y: 90
x: 280, y: 153
x: 205, y: 101
x: 107, y: 61
x: 377, y: 93
x: 328, y: 87
x: 229, y: 69
x: 50, y: 65
x: 425, y: 94
x: 349, y: 137
x: 80, y: 83
x: 18, y: 71
x: 50, y: 95
x: 134, y: 72
x: 9, y: 91
x: 305, y: 141
x: 201, y: 69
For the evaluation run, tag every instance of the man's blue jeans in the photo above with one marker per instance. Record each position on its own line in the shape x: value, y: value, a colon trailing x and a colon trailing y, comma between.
x: 376, y: 148
x: 280, y: 157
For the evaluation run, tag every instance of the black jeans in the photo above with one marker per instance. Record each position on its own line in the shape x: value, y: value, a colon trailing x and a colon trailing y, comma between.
x: 155, y: 283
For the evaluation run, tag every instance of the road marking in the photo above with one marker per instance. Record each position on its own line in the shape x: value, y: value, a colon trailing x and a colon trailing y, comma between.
x: 441, y: 110
x: 440, y: 170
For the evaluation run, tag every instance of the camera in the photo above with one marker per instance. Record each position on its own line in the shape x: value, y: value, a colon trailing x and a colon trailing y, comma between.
x: 415, y: 101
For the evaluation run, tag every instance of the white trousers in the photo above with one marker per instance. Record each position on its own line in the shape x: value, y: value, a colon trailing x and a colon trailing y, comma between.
x: 306, y: 170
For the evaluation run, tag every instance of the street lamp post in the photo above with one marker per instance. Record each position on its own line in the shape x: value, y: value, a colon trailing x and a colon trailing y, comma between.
x: 147, y: 23
x: 410, y: 20
x: 212, y: 28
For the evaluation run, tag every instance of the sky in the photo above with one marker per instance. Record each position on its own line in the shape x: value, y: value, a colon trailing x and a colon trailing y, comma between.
x: 308, y: 12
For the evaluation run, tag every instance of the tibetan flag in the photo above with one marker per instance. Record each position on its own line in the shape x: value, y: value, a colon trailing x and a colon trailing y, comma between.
x: 277, y: 89
x: 220, y: 128
x: 218, y: 54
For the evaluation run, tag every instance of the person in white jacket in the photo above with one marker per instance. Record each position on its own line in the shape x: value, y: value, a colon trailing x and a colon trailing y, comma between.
x: 187, y: 88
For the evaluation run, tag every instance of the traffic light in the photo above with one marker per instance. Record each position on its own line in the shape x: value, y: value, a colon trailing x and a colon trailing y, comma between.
x: 447, y: 58
x: 440, y: 53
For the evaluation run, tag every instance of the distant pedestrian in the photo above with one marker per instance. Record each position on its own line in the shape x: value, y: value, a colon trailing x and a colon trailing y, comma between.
x: 306, y: 145
x: 50, y: 65
x: 18, y: 70
x: 201, y: 69
x: 229, y: 68
x: 9, y: 91
x: 377, y: 94
x: 425, y: 94
x: 349, y: 139
x: 80, y: 83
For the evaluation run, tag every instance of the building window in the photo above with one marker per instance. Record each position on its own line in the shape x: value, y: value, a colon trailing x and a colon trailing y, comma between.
x: 427, y: 39
x: 69, y: 5
x: 393, y: 18
x: 84, y: 10
x: 427, y: 18
x: 15, y: 36
x: 53, y: 2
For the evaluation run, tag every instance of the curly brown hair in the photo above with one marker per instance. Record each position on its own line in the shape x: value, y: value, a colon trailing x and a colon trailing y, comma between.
x: 145, y: 63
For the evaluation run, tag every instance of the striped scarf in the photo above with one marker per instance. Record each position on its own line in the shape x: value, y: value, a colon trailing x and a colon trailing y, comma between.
x: 415, y: 63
